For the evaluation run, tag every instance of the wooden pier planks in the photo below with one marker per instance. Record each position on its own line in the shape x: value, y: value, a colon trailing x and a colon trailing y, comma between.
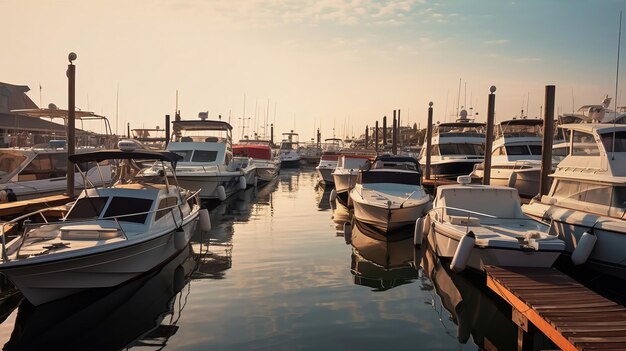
x: 572, y: 316
x: 18, y: 208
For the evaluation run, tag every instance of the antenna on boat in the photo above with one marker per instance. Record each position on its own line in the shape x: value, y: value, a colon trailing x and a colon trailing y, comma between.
x: 458, y: 99
x: 117, y: 109
x: 619, y: 40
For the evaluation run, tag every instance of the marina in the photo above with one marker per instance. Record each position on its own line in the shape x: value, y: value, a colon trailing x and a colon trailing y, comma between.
x: 349, y: 182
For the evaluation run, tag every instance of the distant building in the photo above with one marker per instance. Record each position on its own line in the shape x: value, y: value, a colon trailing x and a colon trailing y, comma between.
x: 13, y: 97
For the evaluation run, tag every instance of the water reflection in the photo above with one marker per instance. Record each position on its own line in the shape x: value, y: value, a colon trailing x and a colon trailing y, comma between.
x: 471, y: 308
x: 381, y: 265
x: 341, y: 216
x: 322, y: 197
x: 142, y: 312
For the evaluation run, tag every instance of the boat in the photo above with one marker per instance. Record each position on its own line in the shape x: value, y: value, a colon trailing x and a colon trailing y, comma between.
x: 266, y: 166
x: 152, y: 138
x: 207, y: 164
x: 328, y: 160
x: 388, y: 193
x: 456, y: 147
x: 40, y: 170
x: 143, y: 311
x: 310, y: 153
x: 587, y: 200
x: 596, y: 114
x: 109, y: 235
x: 345, y: 174
x: 516, y: 156
x: 289, y: 151
x: 478, y: 225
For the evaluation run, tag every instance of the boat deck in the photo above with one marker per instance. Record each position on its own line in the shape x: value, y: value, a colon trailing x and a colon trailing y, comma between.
x: 570, y: 315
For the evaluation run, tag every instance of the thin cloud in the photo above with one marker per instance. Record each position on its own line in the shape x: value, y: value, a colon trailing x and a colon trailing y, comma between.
x: 496, y: 42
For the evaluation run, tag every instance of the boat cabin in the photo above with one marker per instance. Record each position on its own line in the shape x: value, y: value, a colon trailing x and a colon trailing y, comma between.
x: 202, y: 142
x: 260, y: 152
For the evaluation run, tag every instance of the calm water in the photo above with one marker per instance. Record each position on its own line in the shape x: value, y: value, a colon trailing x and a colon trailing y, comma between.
x: 275, y: 273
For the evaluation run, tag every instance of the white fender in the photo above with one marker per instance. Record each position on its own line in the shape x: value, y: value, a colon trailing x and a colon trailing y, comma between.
x: 179, y: 239
x: 242, y: 183
x: 418, y: 234
x: 512, y: 180
x: 463, y: 252
x: 584, y: 246
x: 347, y: 232
x: 221, y: 192
x: 333, y: 195
x: 205, y: 220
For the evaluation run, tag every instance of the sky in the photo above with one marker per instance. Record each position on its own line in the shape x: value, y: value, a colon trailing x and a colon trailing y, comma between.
x: 337, y: 65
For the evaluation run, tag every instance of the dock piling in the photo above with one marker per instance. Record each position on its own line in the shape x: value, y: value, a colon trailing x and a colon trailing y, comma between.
x: 366, y: 136
x: 71, y: 122
x: 376, y: 137
x: 548, y: 135
x: 167, y: 130
x: 394, y: 135
x: 384, y: 132
x: 489, y: 135
x: 429, y: 135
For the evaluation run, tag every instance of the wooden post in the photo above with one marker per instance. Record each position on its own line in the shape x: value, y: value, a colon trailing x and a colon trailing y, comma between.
x: 366, y: 136
x: 429, y: 135
x: 394, y: 135
x: 376, y: 137
x: 128, y: 130
x: 489, y: 135
x: 167, y: 130
x: 71, y: 122
x: 384, y: 132
x: 399, y: 137
x: 548, y: 134
x: 271, y: 134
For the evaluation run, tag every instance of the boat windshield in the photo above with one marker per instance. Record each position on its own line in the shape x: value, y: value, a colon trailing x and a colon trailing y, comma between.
x: 523, y: 150
x: 599, y: 194
x: 197, y: 155
x: 519, y: 130
x: 288, y: 146
x: 462, y: 149
x: 456, y: 130
x: 123, y: 206
x: 87, y: 207
x: 620, y: 141
x: 409, y: 178
x: 10, y: 161
x: 584, y: 144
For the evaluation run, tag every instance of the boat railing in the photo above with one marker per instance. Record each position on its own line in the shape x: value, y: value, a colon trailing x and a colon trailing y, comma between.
x: 116, y: 219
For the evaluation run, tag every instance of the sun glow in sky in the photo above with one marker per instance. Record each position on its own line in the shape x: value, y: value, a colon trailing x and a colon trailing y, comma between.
x: 303, y: 64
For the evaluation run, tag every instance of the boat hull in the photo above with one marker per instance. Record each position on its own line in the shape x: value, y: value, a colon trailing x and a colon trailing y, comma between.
x: 388, y: 219
x: 295, y: 163
x: 326, y: 175
x: 42, y: 282
x: 208, y: 184
x: 266, y: 174
x: 452, y: 169
x: 446, y: 243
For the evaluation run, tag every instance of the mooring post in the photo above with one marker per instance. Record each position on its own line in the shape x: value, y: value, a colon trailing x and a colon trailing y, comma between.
x: 384, y: 132
x: 366, y: 136
x: 491, y: 106
x: 128, y: 130
x: 399, y: 137
x: 272, y: 135
x: 376, y: 137
x: 167, y: 130
x: 546, y: 145
x: 394, y: 135
x: 429, y: 135
x: 71, y: 122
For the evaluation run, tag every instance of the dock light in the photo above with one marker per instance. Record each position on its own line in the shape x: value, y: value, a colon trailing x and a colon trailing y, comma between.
x: 492, y: 89
x: 430, y: 104
x: 72, y: 56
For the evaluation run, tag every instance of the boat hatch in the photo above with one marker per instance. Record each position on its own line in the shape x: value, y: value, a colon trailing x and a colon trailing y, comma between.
x: 88, y: 232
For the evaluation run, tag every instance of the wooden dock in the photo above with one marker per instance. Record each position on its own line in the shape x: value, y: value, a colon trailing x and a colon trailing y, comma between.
x: 11, y: 210
x: 570, y: 315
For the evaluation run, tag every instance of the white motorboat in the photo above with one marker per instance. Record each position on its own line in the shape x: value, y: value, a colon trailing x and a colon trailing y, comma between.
x: 587, y: 201
x: 388, y: 193
x: 489, y: 223
x: 289, y: 154
x: 41, y: 169
x: 109, y: 235
x: 456, y: 147
x: 207, y: 164
x: 328, y: 161
x: 345, y: 173
x: 265, y: 165
x: 516, y: 156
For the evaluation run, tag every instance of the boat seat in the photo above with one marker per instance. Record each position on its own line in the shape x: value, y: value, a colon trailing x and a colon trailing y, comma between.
x: 88, y: 232
x: 211, y: 140
x: 186, y: 139
x: 463, y: 220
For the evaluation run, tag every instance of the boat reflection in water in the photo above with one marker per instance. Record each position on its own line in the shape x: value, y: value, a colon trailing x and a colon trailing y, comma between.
x: 342, y: 216
x: 379, y: 264
x: 141, y: 312
x: 475, y: 310
x: 322, y: 197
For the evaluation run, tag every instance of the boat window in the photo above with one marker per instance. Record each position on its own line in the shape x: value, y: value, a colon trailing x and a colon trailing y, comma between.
x: 185, y: 154
x: 462, y: 149
x: 584, y: 144
x: 41, y: 167
x: 165, y: 203
x: 517, y: 150
x: 535, y: 149
x: 620, y: 141
x: 287, y: 146
x: 585, y: 192
x: 87, y: 207
x: 410, y: 178
x: 59, y: 165
x: 10, y: 161
x: 121, y: 205
x: 619, y: 197
x: 204, y: 156
x: 560, y: 151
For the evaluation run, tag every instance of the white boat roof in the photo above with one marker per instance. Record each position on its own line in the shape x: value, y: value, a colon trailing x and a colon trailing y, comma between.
x: 202, y: 125
x: 599, y: 128
x: 55, y: 113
